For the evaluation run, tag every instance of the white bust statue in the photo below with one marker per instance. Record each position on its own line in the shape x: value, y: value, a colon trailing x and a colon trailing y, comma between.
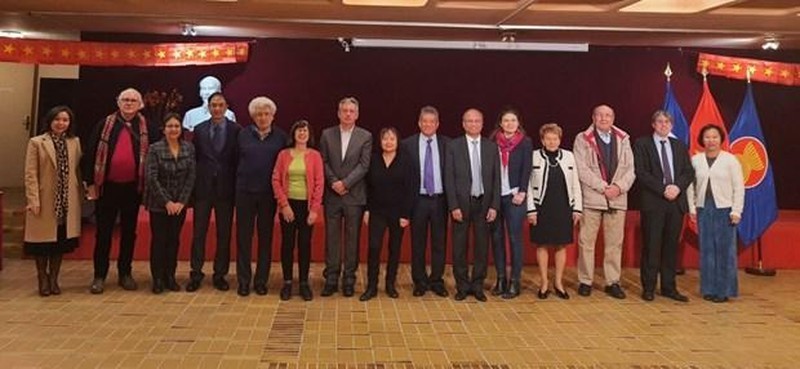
x: 200, y: 114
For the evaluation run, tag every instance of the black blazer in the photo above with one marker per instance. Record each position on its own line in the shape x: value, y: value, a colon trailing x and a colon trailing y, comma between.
x: 519, y: 165
x: 649, y: 176
x: 458, y: 177
x: 213, y: 167
x: 411, y: 148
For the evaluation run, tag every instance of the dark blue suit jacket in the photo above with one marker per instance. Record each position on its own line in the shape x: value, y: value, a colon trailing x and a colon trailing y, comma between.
x: 411, y: 147
x: 216, y: 172
x: 519, y: 165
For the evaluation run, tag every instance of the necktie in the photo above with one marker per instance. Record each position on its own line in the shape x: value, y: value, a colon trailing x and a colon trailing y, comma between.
x: 477, y: 183
x: 665, y: 166
x: 217, y: 138
x: 427, y: 181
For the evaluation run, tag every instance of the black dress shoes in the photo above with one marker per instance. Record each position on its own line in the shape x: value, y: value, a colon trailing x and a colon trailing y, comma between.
x: 348, y: 291
x: 243, y: 290
x: 500, y: 287
x: 419, y: 291
x: 677, y: 296
x: 461, y: 295
x: 368, y: 294
x: 261, y: 289
x: 513, y: 290
x: 172, y: 285
x: 305, y: 291
x: 439, y: 290
x: 719, y: 299
x: 614, y: 290
x: 648, y: 296
x: 329, y: 290
x: 391, y: 291
x: 480, y: 296
x: 708, y: 297
x: 193, y: 285
x: 584, y: 290
x: 127, y: 283
x: 542, y: 295
x: 158, y: 286
x: 286, y: 292
x: 221, y: 284
x: 562, y: 294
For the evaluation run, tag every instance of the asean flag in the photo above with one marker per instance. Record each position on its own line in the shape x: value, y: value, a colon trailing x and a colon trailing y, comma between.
x: 706, y: 113
x: 749, y: 146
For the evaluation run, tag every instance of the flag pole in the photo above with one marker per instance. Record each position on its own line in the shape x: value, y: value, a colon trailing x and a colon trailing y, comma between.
x: 679, y: 269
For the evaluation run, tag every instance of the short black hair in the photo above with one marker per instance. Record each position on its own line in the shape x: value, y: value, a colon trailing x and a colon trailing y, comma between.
x: 302, y: 123
x: 48, y: 118
x: 215, y: 94
x: 170, y: 116
x: 709, y: 127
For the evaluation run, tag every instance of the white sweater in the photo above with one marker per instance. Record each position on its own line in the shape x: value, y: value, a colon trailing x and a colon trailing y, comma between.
x: 727, y: 183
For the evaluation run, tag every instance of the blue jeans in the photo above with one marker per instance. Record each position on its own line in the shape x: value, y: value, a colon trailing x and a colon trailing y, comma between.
x: 717, y: 251
x: 509, y: 217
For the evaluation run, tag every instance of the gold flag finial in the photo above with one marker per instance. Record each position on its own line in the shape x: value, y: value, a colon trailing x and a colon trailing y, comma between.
x: 668, y: 72
x: 749, y: 72
x: 704, y: 73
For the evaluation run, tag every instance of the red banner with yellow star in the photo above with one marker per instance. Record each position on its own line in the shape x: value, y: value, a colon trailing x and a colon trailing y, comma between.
x: 122, y: 54
x: 760, y: 70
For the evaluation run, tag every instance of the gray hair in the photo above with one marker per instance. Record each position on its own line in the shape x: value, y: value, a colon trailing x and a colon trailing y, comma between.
x: 133, y: 91
x: 261, y: 102
x: 349, y: 100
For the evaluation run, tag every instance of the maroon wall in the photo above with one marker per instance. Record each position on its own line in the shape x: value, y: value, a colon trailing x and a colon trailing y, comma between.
x: 307, y: 77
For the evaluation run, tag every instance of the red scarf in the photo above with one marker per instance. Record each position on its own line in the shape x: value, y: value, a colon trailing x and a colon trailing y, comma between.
x: 101, y: 157
x: 507, y: 145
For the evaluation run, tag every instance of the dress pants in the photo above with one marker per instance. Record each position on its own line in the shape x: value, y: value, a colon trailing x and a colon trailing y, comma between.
x: 254, y: 209
x: 660, y: 231
x: 613, y: 222
x: 223, y: 215
x: 718, y: 267
x: 475, y: 216
x: 378, y: 225
x: 338, y: 215
x: 117, y: 199
x: 429, y: 216
x: 297, y: 233
x: 509, y: 218
x: 165, y: 237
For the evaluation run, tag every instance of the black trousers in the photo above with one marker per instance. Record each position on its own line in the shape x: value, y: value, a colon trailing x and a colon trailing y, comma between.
x: 117, y: 199
x: 254, y: 209
x: 378, y: 225
x: 660, y: 232
x: 428, y: 217
x: 297, y: 233
x: 165, y: 235
x: 474, y: 216
x: 223, y: 214
x: 337, y: 216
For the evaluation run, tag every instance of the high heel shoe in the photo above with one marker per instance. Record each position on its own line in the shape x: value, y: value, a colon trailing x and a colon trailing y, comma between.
x: 543, y: 294
x: 562, y: 294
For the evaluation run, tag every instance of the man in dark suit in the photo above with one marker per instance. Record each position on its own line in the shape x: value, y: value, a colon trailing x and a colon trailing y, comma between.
x: 427, y: 151
x: 215, y: 142
x: 472, y: 180
x: 346, y: 151
x: 663, y: 172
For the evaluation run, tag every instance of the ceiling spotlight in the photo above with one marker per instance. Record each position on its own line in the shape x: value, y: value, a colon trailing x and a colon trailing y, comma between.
x: 771, y: 43
x: 187, y: 29
x: 508, y: 36
x: 7, y: 33
x: 345, y: 43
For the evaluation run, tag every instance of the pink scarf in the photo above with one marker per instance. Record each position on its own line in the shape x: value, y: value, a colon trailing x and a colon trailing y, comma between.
x: 507, y: 145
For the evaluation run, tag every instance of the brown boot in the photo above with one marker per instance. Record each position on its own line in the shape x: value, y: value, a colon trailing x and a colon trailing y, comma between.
x: 41, y: 271
x: 55, y: 267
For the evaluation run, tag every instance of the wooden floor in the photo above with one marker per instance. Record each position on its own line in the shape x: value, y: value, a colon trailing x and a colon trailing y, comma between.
x: 211, y: 329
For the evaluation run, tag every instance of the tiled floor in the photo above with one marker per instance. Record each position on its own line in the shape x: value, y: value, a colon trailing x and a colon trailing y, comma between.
x: 211, y: 329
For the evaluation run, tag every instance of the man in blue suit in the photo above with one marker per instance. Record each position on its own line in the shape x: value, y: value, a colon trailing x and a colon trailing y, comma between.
x: 215, y: 142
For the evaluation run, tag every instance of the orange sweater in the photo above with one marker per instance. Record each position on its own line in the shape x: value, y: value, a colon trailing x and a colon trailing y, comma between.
x: 315, y: 179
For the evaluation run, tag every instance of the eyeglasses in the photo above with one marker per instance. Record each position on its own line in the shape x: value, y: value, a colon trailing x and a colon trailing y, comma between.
x: 128, y: 100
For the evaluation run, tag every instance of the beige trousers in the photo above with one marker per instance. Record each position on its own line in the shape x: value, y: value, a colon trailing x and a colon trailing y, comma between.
x: 613, y: 232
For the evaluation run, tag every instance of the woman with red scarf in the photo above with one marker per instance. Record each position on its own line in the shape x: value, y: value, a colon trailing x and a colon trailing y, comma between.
x: 515, y: 171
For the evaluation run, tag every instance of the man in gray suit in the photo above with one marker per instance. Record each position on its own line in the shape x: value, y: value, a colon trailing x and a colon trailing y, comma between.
x: 346, y: 151
x: 472, y: 180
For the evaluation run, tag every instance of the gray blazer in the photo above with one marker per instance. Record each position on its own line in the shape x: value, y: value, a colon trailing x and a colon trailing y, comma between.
x: 351, y: 170
x: 458, y: 177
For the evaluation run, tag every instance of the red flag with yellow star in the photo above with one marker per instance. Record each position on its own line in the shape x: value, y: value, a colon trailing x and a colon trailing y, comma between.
x: 706, y: 113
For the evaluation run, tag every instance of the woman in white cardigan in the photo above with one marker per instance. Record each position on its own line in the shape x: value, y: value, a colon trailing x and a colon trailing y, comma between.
x: 716, y: 200
x: 554, y: 205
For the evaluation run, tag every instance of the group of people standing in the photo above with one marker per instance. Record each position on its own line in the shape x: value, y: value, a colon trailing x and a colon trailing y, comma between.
x: 486, y: 186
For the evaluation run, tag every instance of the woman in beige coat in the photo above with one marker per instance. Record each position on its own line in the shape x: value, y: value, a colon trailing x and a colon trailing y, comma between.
x: 52, y: 190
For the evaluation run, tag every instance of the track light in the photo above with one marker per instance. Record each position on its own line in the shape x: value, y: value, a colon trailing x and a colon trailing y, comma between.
x: 771, y: 43
x: 508, y: 36
x: 188, y: 30
x: 345, y: 43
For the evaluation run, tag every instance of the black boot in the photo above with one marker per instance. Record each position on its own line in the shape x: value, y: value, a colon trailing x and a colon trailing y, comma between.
x: 44, y: 279
x: 55, y: 268
x: 500, y: 287
x: 513, y: 290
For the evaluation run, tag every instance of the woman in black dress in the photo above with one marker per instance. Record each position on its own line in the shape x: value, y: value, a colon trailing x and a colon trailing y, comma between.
x: 554, y: 205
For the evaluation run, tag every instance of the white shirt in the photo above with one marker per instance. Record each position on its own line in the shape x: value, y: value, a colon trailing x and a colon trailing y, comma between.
x: 605, y: 136
x: 472, y: 147
x: 657, y: 139
x: 345, y: 139
x: 437, y: 170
